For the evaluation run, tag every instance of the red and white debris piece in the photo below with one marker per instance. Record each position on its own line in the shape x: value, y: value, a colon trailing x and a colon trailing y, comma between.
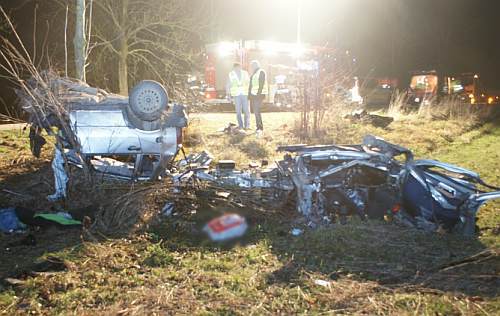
x: 226, y: 227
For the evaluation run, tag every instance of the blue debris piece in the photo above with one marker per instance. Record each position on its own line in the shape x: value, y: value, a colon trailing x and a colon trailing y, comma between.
x: 9, y: 222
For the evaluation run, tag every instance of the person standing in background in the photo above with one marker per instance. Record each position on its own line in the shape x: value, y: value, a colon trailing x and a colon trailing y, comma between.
x: 257, y: 92
x: 237, y: 89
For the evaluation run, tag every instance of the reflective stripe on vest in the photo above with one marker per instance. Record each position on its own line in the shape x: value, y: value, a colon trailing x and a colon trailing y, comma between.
x: 255, y: 82
x: 239, y: 87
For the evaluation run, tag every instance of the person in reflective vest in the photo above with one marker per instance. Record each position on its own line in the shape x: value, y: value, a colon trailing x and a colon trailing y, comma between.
x: 237, y: 90
x: 257, y: 92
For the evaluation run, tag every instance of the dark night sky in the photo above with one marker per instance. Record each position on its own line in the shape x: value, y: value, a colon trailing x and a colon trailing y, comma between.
x: 388, y: 37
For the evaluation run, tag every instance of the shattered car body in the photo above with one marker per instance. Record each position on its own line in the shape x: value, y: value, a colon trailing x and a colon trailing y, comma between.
x: 342, y: 180
x: 374, y: 179
x: 368, y: 180
x: 444, y: 194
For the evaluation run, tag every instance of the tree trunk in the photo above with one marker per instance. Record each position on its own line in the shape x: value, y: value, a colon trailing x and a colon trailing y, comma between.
x: 122, y: 61
x: 123, y: 69
x: 79, y: 41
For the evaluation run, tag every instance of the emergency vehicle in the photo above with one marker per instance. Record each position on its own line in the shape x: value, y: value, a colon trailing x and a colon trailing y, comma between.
x: 278, y: 59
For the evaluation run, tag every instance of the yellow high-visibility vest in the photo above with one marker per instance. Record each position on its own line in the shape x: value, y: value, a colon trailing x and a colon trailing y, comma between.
x: 255, y: 82
x: 239, y: 86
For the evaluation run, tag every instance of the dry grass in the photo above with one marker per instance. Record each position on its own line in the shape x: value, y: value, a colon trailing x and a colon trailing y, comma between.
x: 193, y: 136
x: 452, y: 108
x: 242, y: 148
x: 397, y: 105
x: 445, y: 108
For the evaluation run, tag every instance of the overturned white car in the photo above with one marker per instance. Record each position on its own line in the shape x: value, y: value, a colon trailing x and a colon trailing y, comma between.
x: 133, y: 137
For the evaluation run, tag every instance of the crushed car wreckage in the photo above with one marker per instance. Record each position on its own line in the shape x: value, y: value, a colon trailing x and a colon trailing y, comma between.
x: 330, y: 182
x: 326, y: 183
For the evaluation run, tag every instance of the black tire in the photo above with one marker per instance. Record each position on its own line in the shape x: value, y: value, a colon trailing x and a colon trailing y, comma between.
x: 148, y: 99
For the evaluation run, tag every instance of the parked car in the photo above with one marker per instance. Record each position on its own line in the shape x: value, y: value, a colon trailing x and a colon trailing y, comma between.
x: 423, y: 87
x: 377, y: 91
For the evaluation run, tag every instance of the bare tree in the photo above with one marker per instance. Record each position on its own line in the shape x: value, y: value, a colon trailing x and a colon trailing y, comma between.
x: 79, y: 40
x: 155, y: 37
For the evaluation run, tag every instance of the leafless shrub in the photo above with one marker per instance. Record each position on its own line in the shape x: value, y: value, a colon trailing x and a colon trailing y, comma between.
x: 9, y: 119
x: 124, y: 212
x: 397, y: 105
x: 335, y: 129
x: 323, y: 91
x: 331, y: 116
x: 41, y: 95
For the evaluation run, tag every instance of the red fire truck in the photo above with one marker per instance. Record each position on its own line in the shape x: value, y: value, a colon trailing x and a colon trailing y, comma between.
x: 281, y: 61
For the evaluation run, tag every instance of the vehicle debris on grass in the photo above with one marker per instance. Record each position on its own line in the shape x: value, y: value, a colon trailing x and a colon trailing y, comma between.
x: 327, y: 183
x: 168, y: 209
x: 19, y: 219
x: 362, y: 116
x: 9, y: 222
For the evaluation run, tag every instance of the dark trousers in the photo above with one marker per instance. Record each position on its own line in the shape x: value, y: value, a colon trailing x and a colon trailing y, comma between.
x: 256, y: 104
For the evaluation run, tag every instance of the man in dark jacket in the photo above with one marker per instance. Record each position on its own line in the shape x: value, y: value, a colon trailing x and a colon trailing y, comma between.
x: 257, y: 92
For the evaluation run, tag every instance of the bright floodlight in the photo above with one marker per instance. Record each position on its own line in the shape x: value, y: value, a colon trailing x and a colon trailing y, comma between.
x: 297, y: 51
x: 226, y: 49
x: 270, y: 47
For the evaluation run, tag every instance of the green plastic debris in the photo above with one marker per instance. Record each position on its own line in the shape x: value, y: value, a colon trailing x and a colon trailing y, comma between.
x: 62, y: 219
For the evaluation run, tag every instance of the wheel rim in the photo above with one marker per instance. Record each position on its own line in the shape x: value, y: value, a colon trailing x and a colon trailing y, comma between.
x: 148, y: 101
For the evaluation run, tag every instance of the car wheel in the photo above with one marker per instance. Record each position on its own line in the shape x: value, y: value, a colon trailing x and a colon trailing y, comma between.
x: 148, y: 99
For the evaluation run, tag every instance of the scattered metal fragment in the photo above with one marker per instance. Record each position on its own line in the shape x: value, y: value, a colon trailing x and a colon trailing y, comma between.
x: 296, y: 231
x: 60, y: 176
x: 224, y: 195
x: 323, y: 283
x: 362, y: 116
x: 168, y: 209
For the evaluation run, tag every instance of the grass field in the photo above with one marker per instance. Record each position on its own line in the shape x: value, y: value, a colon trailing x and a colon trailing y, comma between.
x: 167, y: 267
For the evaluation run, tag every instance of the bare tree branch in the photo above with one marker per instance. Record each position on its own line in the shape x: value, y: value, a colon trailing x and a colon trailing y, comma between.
x: 152, y: 36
